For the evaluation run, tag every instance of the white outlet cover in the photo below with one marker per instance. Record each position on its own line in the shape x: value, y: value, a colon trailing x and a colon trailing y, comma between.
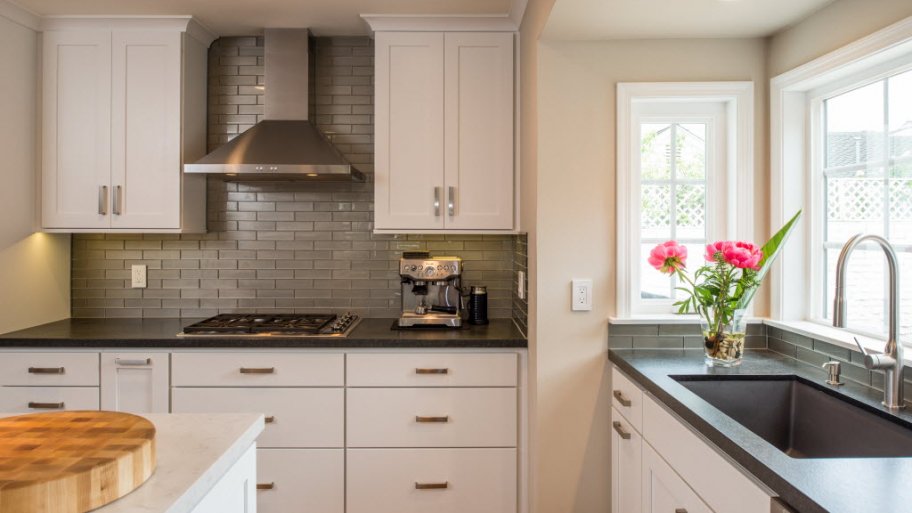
x: 581, y: 295
x: 138, y: 276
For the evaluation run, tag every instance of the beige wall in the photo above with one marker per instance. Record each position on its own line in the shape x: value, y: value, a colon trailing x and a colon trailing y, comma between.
x: 34, y: 267
x: 834, y: 26
x: 575, y: 234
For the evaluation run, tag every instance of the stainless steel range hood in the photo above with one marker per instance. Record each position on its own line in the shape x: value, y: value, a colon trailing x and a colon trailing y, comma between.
x: 285, y: 145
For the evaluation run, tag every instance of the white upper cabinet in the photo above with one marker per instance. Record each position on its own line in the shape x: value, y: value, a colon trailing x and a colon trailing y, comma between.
x: 124, y: 107
x: 444, y: 131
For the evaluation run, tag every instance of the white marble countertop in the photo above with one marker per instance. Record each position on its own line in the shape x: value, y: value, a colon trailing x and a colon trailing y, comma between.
x: 194, y: 450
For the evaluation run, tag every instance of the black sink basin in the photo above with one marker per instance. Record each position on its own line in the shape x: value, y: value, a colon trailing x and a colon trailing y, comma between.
x: 804, y: 419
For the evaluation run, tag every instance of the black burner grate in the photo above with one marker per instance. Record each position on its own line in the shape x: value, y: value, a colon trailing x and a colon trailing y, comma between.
x: 291, y: 324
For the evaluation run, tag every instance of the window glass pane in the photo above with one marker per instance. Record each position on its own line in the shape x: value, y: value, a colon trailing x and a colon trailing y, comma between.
x: 905, y: 296
x: 690, y: 211
x: 854, y: 126
x: 901, y: 213
x: 694, y: 261
x: 866, y: 287
x: 690, y: 159
x: 655, y: 213
x: 653, y: 284
x: 655, y: 142
x: 900, y: 109
x: 854, y: 205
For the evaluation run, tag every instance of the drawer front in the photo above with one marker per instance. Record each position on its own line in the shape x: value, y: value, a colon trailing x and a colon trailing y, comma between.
x: 431, y: 417
x: 49, y: 369
x: 432, y: 370
x: 257, y: 370
x: 627, y: 398
x: 475, y: 480
x: 290, y: 480
x: 48, y: 399
x: 295, y: 417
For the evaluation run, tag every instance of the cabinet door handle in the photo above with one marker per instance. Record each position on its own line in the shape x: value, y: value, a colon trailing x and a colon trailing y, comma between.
x: 432, y: 486
x: 46, y: 370
x: 103, y: 200
x: 436, y: 201
x: 621, y: 399
x: 265, y: 486
x: 257, y: 370
x: 269, y: 419
x: 620, y: 430
x: 118, y: 200
x: 432, y: 420
x: 133, y: 363
x: 451, y: 201
x: 680, y: 510
x: 46, y: 406
x: 432, y: 371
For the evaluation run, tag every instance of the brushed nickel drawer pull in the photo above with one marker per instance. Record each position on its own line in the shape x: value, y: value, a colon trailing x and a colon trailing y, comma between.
x: 620, y: 430
x: 432, y: 371
x: 257, y: 370
x: 426, y: 420
x: 103, y: 200
x: 451, y: 201
x: 46, y: 406
x: 133, y: 363
x: 265, y: 486
x: 432, y: 486
x: 436, y: 201
x: 118, y: 200
x: 47, y: 370
x: 680, y: 510
x: 621, y: 399
x: 270, y: 419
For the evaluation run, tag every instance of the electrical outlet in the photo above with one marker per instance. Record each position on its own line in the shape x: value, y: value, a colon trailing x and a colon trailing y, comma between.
x: 138, y: 276
x: 581, y: 295
x: 521, y: 284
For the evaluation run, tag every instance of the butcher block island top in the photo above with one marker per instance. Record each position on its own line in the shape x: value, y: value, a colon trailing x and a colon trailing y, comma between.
x: 191, y: 454
x: 72, y: 462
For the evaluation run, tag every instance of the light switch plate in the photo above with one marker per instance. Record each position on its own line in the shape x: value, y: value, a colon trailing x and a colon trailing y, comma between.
x: 138, y: 276
x: 581, y: 295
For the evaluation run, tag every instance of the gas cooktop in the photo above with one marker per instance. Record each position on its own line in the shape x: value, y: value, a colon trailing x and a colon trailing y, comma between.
x: 274, y: 325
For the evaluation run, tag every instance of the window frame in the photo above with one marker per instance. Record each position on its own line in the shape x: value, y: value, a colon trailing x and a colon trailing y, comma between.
x: 738, y: 101
x: 796, y: 107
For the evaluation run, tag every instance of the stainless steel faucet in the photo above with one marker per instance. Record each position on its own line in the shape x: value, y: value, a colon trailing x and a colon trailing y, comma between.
x: 891, y: 361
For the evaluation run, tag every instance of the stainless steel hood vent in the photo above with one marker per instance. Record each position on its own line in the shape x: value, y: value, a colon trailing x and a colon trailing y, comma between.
x: 285, y: 145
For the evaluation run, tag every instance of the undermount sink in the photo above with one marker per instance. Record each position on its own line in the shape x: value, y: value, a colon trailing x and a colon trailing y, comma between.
x: 804, y: 419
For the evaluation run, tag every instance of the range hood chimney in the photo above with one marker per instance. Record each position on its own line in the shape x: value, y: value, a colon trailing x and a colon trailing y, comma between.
x: 285, y: 145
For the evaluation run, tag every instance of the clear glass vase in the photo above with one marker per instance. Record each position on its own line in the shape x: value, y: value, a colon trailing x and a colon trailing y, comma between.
x: 723, y: 338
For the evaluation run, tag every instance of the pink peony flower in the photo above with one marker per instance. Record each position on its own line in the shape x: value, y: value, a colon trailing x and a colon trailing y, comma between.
x: 668, y: 257
x: 715, y: 248
x: 744, y: 255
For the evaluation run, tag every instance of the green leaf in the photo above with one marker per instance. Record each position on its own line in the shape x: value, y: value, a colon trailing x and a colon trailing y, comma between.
x: 771, y: 251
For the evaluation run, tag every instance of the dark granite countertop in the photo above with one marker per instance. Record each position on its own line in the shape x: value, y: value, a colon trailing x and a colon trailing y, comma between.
x: 833, y: 485
x: 370, y: 333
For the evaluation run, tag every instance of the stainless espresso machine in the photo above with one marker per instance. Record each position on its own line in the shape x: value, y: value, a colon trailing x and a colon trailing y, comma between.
x: 431, y: 291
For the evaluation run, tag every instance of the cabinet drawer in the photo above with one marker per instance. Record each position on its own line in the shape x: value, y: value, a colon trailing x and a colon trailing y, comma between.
x: 432, y: 370
x: 290, y: 478
x: 627, y: 398
x: 295, y: 417
x: 431, y: 417
x: 49, y: 369
x: 257, y: 370
x: 717, y: 481
x: 47, y: 399
x: 475, y: 480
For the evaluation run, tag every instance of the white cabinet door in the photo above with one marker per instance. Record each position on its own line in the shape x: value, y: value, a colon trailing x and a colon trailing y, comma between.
x: 478, y: 130
x: 135, y: 382
x: 76, y: 126
x: 146, y: 129
x: 235, y: 492
x: 664, y: 491
x: 626, y: 466
x: 301, y: 480
x: 409, y: 191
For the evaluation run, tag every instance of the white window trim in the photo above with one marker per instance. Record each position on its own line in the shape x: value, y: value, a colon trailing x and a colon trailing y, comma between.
x: 792, y: 152
x: 739, y: 100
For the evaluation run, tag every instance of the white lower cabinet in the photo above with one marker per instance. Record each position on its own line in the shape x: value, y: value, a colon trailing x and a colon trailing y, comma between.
x: 626, y: 465
x: 235, y: 492
x: 664, y: 491
x: 438, y: 480
x: 135, y: 382
x: 44, y: 399
x: 301, y: 480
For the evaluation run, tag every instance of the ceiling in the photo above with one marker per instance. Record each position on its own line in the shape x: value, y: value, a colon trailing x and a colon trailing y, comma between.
x: 242, y: 17
x: 666, y: 19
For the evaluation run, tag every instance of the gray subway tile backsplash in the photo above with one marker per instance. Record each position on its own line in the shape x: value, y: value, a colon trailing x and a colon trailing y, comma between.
x: 284, y: 247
